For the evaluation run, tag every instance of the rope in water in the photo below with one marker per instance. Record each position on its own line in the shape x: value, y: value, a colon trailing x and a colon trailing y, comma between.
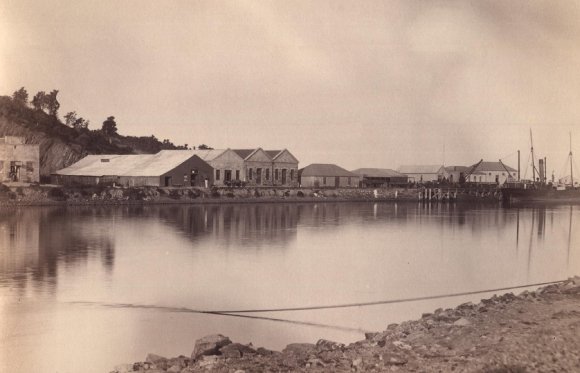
x: 390, y: 301
x: 321, y: 307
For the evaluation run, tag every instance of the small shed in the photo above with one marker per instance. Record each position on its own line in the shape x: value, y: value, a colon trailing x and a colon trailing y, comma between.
x: 379, y: 177
x: 454, y: 174
x: 320, y: 175
x: 423, y: 173
x: 166, y: 168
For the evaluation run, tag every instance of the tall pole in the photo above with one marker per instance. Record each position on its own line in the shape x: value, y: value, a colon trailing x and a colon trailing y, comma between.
x: 519, y: 165
x: 533, y: 161
x: 571, y: 167
x: 545, y: 170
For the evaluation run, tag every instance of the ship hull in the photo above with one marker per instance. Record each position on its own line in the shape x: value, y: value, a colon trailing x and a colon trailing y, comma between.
x: 541, y: 195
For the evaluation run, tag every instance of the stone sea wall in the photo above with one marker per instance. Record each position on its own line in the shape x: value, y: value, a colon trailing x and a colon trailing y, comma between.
x: 15, y: 195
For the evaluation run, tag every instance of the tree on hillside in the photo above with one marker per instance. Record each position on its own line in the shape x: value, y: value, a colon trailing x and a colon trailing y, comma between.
x: 109, y: 126
x: 39, y: 100
x: 20, y: 96
x: 52, y: 103
x: 204, y: 147
x: 78, y: 123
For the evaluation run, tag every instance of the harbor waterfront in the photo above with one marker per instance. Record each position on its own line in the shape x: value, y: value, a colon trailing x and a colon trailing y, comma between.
x: 86, y: 288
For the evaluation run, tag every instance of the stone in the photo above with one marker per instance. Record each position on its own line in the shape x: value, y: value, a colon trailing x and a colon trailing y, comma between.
x: 462, y: 322
x: 209, y: 345
x: 152, y: 358
x: 234, y: 349
x: 368, y: 336
x: 174, y: 369
x: 402, y: 345
x: 123, y: 368
x: 298, y: 348
x: 208, y: 361
x: 326, y: 345
x: 394, y: 359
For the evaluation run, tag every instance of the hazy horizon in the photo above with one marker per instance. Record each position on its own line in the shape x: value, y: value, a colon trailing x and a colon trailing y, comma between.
x: 373, y: 84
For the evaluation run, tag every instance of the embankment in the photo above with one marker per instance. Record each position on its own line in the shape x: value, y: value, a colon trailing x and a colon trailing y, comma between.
x: 536, y: 331
x: 100, y: 195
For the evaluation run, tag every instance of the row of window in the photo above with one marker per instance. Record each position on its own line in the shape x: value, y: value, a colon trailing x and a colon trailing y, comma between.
x: 15, y: 164
x: 279, y: 174
x: 336, y: 181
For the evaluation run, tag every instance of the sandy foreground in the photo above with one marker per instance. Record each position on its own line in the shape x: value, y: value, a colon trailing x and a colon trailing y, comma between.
x: 532, y: 332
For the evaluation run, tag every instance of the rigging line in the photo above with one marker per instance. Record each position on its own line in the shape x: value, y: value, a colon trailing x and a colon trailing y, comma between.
x: 401, y: 300
x: 509, y: 155
x: 190, y: 310
x: 527, y: 165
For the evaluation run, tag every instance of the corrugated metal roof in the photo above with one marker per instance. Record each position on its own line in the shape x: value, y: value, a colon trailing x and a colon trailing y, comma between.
x: 207, y: 155
x: 128, y: 165
x: 493, y: 166
x: 320, y: 169
x: 378, y: 172
x: 420, y: 169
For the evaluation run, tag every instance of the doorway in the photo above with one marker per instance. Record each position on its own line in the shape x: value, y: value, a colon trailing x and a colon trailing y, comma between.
x: 167, y: 181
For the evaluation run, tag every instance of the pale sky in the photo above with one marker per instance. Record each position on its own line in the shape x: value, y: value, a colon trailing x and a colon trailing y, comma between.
x: 360, y: 84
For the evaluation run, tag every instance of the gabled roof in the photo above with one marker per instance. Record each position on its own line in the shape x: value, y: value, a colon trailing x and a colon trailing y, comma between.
x: 320, y: 169
x: 492, y: 166
x: 208, y: 155
x: 273, y: 153
x: 420, y: 169
x: 128, y: 165
x: 377, y: 172
x: 457, y: 168
x: 244, y: 153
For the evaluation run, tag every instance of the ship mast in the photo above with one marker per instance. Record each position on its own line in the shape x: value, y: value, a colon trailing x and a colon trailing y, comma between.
x: 571, y: 165
x: 533, y: 161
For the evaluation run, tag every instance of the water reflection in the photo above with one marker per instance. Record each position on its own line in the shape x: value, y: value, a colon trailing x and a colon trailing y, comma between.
x: 36, y: 241
x: 58, y: 265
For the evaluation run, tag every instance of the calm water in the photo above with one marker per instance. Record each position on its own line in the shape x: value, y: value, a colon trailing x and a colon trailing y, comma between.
x: 85, y: 289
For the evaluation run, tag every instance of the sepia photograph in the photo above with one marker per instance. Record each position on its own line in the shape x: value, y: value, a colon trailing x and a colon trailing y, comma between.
x: 242, y: 186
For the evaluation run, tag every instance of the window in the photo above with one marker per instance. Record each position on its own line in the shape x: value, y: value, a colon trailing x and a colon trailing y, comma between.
x: 276, y: 174
x: 29, y: 166
x: 267, y: 174
x: 237, y: 174
x: 185, y: 178
x: 250, y: 174
x: 291, y: 174
x: 324, y: 181
x: 348, y: 181
x: 217, y: 174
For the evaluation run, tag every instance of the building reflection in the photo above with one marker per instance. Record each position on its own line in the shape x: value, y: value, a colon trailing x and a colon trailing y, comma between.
x: 34, y: 242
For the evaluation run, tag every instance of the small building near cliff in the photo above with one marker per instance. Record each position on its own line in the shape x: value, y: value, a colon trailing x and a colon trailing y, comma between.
x: 166, y: 168
x: 319, y: 175
x: 19, y: 162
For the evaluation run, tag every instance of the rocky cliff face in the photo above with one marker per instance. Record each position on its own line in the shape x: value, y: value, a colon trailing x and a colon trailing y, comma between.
x: 55, y: 154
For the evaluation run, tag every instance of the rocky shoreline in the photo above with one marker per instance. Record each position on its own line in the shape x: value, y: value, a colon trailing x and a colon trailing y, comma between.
x: 535, y: 331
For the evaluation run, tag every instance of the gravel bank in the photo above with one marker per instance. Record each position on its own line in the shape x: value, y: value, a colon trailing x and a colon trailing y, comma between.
x: 533, y: 332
